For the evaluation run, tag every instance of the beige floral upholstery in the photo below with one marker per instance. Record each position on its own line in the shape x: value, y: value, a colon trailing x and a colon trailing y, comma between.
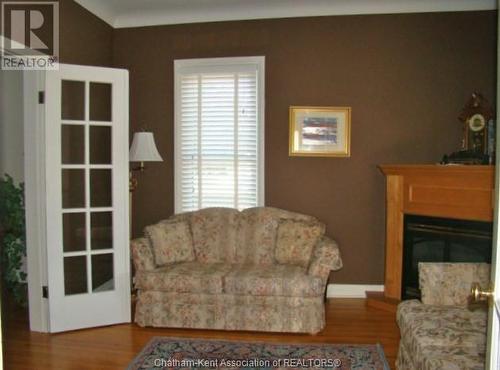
x: 214, y: 234
x: 279, y: 280
x: 452, y: 280
x: 142, y: 254
x: 325, y: 258
x: 257, y: 232
x: 188, y: 277
x: 446, y: 358
x: 296, y: 241
x: 277, y: 314
x: 230, y: 312
x: 235, y: 282
x: 171, y: 241
x: 440, y: 335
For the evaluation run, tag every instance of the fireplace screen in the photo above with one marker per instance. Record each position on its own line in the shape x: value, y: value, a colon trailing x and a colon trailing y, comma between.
x: 432, y: 239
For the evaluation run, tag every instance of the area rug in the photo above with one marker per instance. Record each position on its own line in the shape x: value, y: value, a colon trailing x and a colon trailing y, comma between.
x: 183, y: 353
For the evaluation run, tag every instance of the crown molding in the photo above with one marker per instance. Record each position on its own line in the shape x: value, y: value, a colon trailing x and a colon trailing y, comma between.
x: 128, y: 13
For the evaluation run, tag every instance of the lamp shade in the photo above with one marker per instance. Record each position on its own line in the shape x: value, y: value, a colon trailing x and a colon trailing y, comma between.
x: 143, y: 148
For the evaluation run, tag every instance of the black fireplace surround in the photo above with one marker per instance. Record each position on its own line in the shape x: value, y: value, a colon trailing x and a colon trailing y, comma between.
x: 433, y: 239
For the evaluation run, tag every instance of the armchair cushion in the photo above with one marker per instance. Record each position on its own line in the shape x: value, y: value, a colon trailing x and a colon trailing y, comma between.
x: 449, y: 284
x: 171, y: 241
x: 296, y: 240
x: 279, y: 280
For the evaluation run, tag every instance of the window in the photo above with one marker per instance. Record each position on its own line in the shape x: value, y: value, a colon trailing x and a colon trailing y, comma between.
x: 219, y: 133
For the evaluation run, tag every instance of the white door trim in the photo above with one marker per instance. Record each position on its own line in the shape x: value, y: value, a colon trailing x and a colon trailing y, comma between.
x: 34, y: 180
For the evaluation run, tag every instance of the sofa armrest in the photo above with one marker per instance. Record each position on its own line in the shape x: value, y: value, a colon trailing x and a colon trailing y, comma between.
x: 142, y: 254
x: 326, y: 257
x: 449, y: 284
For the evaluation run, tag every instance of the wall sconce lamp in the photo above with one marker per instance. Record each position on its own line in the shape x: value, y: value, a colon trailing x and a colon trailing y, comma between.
x: 143, y: 149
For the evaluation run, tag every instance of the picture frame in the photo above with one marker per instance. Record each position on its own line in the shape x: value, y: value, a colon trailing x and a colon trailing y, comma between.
x: 320, y: 131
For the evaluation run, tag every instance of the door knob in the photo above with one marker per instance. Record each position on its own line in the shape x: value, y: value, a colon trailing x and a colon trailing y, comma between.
x: 479, y: 294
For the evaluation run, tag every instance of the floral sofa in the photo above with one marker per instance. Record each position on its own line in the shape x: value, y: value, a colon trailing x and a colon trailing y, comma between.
x: 262, y: 269
x: 441, y: 331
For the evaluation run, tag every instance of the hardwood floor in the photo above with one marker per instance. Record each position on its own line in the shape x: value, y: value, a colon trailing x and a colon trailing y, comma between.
x: 348, y: 321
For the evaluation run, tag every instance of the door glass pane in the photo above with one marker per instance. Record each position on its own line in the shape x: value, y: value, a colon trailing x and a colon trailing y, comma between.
x: 73, y: 144
x: 100, y: 101
x: 102, y: 272
x: 100, y: 188
x: 100, y: 145
x: 75, y: 275
x: 101, y: 230
x: 73, y: 232
x: 73, y: 188
x: 73, y: 100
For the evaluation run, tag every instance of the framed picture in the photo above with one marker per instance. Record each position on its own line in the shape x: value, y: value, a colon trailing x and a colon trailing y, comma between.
x: 320, y: 131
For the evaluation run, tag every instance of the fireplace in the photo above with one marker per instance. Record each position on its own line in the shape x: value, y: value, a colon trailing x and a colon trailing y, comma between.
x: 455, y: 192
x: 435, y: 239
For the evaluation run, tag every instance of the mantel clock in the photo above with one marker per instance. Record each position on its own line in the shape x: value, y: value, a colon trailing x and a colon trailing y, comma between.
x: 476, y: 116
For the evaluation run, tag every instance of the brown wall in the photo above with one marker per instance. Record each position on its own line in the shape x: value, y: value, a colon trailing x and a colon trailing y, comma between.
x: 83, y: 38
x: 406, y: 78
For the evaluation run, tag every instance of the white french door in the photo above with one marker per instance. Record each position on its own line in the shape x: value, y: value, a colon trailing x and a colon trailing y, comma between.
x: 86, y: 166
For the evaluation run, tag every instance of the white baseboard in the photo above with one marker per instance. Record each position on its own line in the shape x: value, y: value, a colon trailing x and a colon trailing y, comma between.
x: 351, y: 290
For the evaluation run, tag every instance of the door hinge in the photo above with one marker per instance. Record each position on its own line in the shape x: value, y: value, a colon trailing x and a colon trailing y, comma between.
x: 45, y: 291
x: 41, y: 97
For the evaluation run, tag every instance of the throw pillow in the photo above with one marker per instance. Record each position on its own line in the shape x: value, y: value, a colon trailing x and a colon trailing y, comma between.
x: 296, y: 240
x: 449, y: 283
x: 172, y: 242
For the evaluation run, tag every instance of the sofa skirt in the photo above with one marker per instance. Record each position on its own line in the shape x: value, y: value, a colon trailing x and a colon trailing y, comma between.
x: 403, y: 361
x: 230, y: 312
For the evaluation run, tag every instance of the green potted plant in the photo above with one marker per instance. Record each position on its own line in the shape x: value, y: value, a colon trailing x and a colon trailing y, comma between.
x: 13, y: 238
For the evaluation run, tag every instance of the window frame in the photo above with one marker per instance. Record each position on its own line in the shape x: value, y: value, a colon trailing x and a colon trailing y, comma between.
x: 206, y: 65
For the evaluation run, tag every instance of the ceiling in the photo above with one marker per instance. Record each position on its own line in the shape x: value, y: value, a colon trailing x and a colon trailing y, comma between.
x: 138, y: 13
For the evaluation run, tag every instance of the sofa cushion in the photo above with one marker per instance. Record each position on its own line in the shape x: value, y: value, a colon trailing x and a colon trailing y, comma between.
x: 214, y: 234
x: 450, y: 283
x: 430, y: 332
x: 171, y: 241
x: 257, y: 230
x: 278, y: 280
x: 296, y: 240
x: 187, y: 277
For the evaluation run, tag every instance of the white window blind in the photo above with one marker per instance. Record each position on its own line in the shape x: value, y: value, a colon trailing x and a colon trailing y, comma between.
x: 218, y: 133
